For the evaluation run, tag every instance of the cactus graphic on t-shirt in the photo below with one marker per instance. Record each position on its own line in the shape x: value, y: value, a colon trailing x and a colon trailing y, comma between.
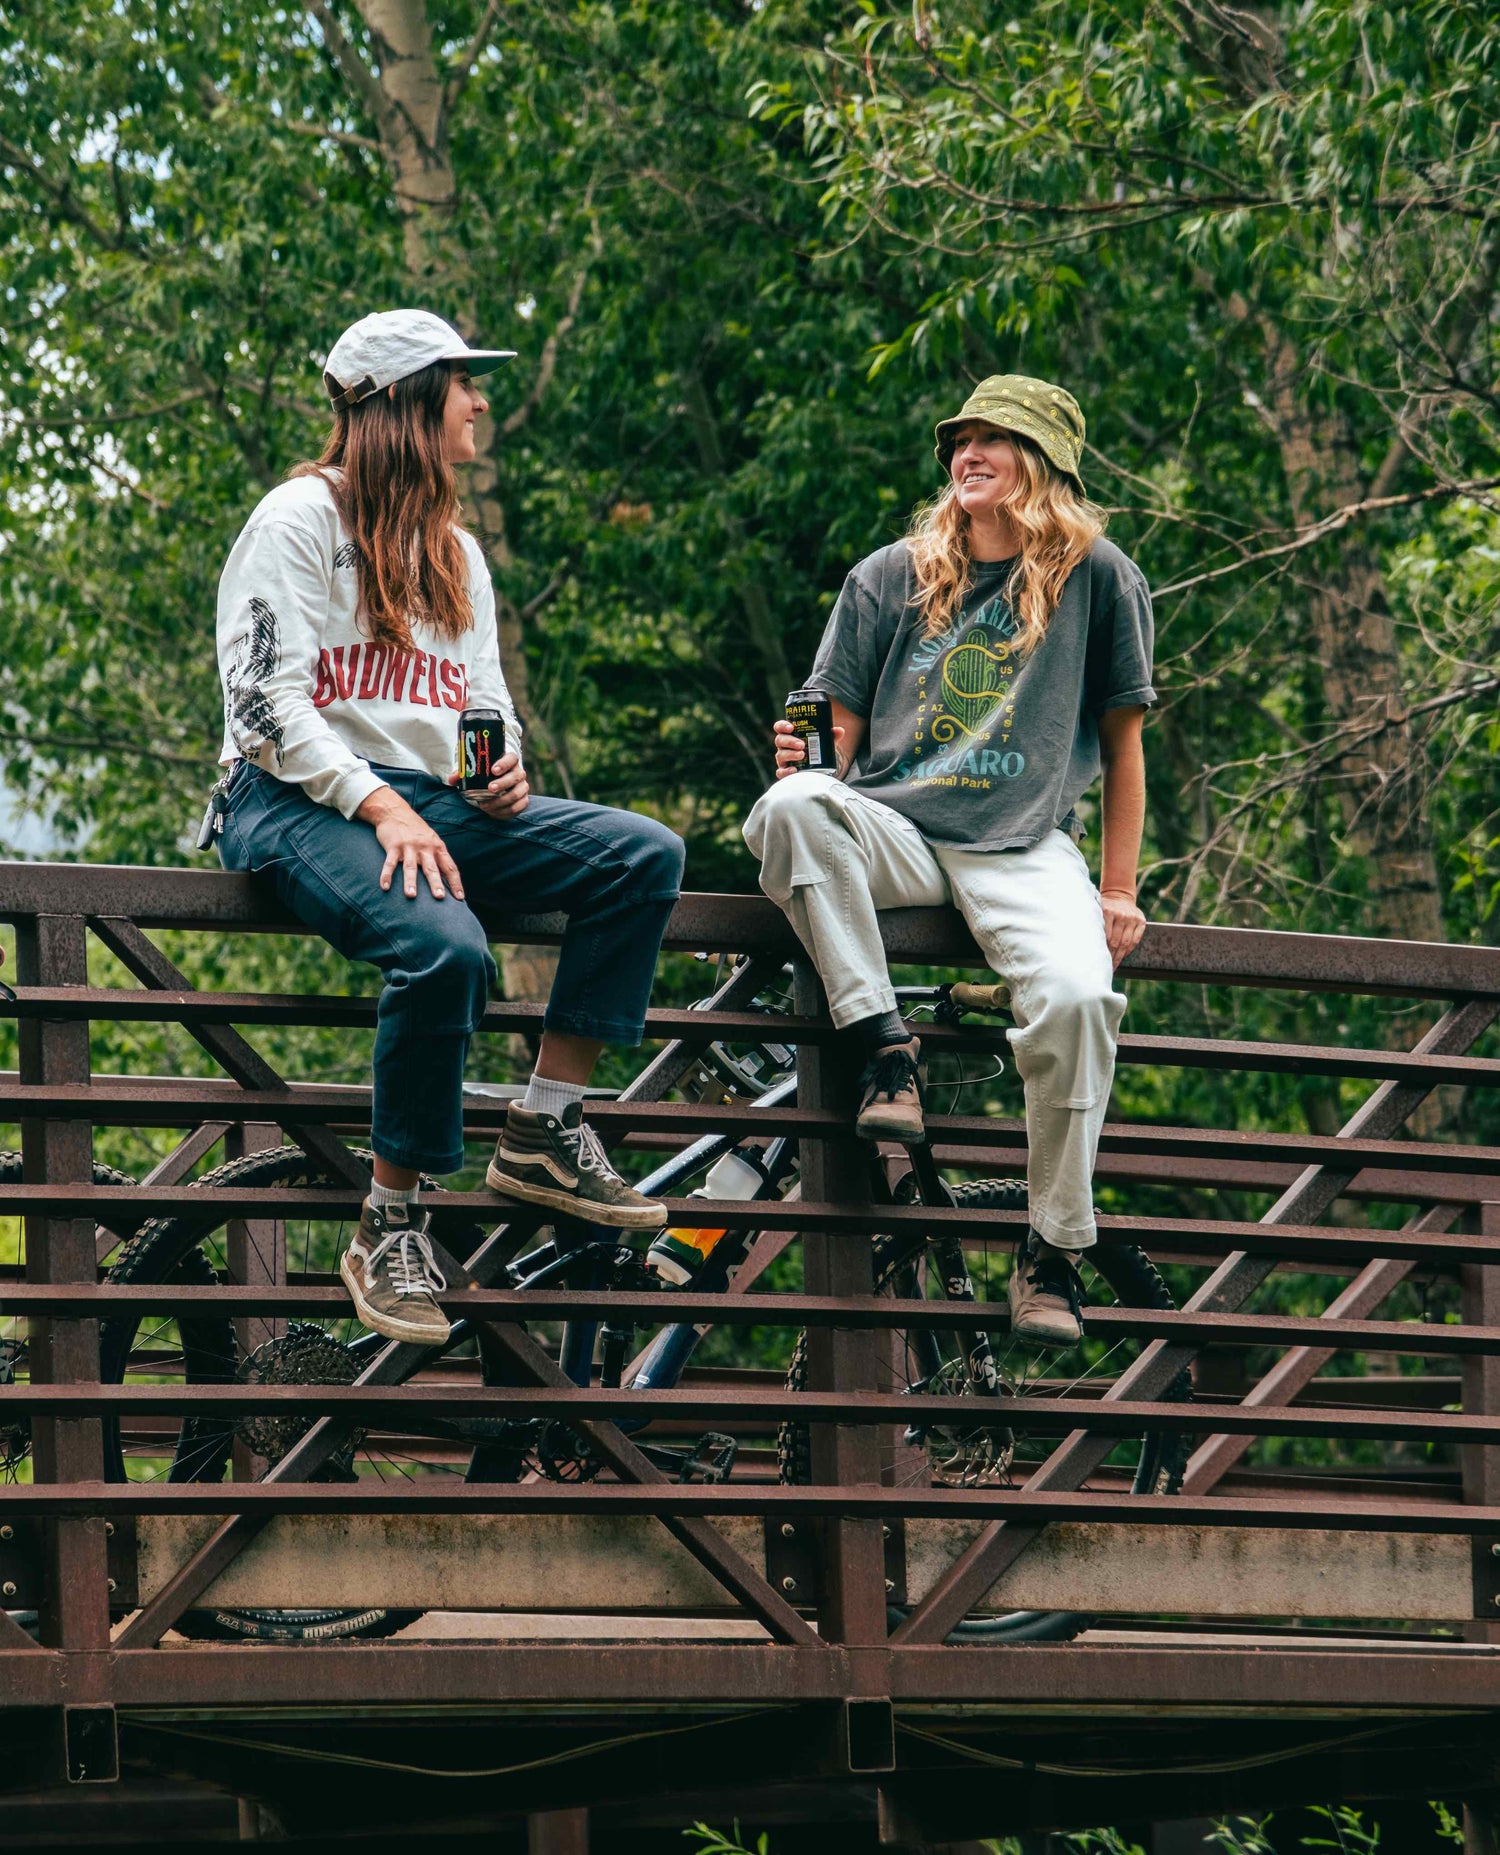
x: 965, y: 705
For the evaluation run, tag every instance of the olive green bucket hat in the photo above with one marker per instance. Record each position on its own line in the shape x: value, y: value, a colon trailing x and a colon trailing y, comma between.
x: 1050, y: 417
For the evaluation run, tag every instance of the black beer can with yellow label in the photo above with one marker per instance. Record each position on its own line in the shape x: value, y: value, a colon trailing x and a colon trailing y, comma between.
x: 811, y: 713
x: 481, y: 747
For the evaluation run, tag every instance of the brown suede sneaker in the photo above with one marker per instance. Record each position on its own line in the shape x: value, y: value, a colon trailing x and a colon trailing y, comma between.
x: 393, y: 1278
x: 1045, y: 1294
x: 891, y: 1094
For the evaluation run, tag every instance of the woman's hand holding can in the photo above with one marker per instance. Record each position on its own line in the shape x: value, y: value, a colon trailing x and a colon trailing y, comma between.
x: 791, y: 747
x: 508, y: 792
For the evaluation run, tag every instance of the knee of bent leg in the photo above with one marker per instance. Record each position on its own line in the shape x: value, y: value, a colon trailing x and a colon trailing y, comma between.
x: 788, y: 812
x: 655, y: 854
x: 449, y: 970
x: 1081, y: 1005
x: 1066, y: 1049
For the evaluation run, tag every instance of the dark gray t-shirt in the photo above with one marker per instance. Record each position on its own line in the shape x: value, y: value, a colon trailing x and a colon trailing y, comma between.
x: 977, y: 746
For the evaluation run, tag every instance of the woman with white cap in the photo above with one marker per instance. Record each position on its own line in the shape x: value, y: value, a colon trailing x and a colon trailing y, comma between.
x: 980, y: 671
x: 356, y: 621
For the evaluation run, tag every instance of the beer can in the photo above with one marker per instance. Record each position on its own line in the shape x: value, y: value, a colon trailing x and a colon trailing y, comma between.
x: 481, y: 747
x: 811, y: 713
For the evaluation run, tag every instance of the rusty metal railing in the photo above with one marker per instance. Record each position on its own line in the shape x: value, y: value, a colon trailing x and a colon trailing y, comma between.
x: 70, y: 1526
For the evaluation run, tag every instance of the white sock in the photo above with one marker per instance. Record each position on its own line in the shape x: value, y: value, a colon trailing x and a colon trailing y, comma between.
x: 386, y: 1197
x: 544, y: 1096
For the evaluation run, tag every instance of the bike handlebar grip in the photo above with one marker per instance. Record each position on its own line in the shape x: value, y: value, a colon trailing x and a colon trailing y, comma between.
x: 980, y: 997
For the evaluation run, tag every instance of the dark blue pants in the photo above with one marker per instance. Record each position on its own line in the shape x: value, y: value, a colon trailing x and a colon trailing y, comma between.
x: 614, y: 874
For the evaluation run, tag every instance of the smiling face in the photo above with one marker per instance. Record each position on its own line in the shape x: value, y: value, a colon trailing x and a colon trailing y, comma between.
x: 983, y: 467
x: 463, y: 403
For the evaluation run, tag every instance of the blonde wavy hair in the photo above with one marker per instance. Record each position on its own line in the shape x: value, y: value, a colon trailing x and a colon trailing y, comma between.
x: 1057, y: 523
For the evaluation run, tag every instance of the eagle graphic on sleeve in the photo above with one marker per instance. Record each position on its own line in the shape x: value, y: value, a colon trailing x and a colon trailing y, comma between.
x: 252, y: 714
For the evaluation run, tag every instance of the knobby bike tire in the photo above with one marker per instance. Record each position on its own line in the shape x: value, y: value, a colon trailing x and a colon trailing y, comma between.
x: 171, y: 1250
x: 15, y: 1434
x: 118, y: 1223
x: 1136, y: 1281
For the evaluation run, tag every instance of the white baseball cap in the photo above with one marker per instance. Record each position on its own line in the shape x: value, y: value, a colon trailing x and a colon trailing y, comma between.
x: 393, y: 343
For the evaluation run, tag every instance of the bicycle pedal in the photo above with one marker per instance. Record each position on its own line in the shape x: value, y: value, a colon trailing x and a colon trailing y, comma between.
x: 713, y: 1467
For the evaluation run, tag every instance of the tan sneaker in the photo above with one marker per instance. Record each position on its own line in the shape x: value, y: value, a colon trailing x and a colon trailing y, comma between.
x: 1046, y: 1295
x: 560, y: 1164
x: 390, y: 1273
x: 891, y: 1094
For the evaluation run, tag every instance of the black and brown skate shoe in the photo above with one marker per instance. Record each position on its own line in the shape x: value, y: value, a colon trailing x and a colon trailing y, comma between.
x: 561, y: 1165
x: 891, y: 1094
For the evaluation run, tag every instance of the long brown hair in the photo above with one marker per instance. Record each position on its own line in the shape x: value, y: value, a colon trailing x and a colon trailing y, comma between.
x: 1057, y: 523
x: 396, y: 495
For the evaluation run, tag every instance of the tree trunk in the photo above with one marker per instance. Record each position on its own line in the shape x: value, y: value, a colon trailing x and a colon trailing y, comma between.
x: 765, y: 635
x: 413, y: 127
x: 409, y: 99
x: 1378, y: 783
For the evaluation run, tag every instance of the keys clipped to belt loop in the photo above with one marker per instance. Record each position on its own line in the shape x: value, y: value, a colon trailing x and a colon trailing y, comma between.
x: 213, y: 814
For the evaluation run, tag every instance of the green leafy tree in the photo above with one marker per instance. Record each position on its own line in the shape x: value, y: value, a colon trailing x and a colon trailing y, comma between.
x: 1262, y: 244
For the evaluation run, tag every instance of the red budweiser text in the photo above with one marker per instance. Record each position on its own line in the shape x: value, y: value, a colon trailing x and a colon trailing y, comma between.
x: 371, y: 672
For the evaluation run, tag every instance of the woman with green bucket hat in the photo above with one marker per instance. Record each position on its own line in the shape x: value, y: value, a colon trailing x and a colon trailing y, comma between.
x: 982, y: 673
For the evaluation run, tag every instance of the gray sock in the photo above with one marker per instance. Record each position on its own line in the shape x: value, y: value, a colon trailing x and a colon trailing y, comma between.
x: 388, y: 1197
x: 881, y: 1031
x: 544, y: 1096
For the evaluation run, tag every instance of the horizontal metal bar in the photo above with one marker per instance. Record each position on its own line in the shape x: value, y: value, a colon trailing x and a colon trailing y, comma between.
x: 197, y: 898
x: 118, y: 1003
x: 1161, y: 1235
x: 78, y: 1301
x: 743, y: 1404
x: 109, y: 1004
x: 1179, y: 1680
x: 436, y: 1494
x: 146, y: 1104
x: 1371, y: 1184
x: 1295, y: 1059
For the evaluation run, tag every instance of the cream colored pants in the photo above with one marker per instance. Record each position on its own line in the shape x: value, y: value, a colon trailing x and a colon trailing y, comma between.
x: 832, y: 858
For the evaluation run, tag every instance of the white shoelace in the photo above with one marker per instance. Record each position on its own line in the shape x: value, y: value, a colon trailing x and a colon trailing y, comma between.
x: 591, y: 1155
x: 412, y: 1268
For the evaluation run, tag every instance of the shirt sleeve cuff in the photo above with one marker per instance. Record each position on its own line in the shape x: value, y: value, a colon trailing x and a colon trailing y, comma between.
x: 1140, y: 698
x: 857, y: 705
x: 353, y: 789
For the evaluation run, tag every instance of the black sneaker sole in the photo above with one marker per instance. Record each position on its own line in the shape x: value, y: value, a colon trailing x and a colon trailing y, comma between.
x: 618, y: 1217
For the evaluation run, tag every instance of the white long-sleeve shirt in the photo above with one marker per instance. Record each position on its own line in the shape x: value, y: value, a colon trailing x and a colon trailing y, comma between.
x: 307, y: 696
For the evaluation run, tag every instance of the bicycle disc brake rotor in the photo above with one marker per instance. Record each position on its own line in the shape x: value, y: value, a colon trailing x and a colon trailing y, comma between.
x: 304, y: 1355
x: 961, y: 1457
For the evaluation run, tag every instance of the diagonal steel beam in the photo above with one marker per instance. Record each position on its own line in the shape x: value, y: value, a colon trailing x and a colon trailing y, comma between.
x: 707, y: 1545
x: 240, y: 1060
x: 1214, y: 1457
x: 12, y: 1636
x: 1000, y: 1544
x: 397, y: 1361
